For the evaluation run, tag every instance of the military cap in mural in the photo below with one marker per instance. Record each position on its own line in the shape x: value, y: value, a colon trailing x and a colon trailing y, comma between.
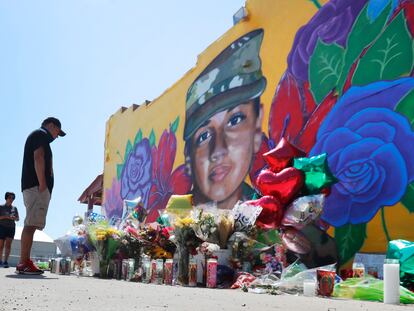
x: 232, y: 78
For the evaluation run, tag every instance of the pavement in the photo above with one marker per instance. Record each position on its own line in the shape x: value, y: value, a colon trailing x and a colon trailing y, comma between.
x: 70, y: 292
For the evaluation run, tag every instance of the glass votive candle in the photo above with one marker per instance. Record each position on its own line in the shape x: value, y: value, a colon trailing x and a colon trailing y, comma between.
x: 309, y: 288
x: 358, y: 269
x: 325, y: 282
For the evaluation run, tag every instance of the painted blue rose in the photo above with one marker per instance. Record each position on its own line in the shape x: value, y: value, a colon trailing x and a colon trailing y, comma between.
x: 136, y: 173
x: 370, y: 151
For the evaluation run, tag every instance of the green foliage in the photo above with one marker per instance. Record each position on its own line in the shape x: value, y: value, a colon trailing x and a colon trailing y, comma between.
x: 408, y: 198
x: 349, y: 239
x: 128, y: 149
x: 406, y: 107
x: 325, y: 68
x: 152, y: 138
x: 138, y: 137
x: 119, y: 168
x: 316, y: 3
x: 363, y: 33
x: 174, y: 126
x: 390, y: 57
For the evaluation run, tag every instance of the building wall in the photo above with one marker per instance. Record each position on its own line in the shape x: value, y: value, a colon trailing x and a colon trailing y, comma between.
x: 338, y: 80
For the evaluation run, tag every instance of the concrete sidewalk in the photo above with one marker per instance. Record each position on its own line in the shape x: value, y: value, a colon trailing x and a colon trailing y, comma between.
x: 64, y: 292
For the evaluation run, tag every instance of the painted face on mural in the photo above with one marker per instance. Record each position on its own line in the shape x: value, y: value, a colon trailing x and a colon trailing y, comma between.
x: 223, y: 122
x: 222, y: 150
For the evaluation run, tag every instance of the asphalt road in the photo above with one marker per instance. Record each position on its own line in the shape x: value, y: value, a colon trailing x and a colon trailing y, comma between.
x: 63, y: 292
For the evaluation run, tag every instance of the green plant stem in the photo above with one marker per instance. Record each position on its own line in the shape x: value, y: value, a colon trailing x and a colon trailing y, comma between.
x: 384, y: 226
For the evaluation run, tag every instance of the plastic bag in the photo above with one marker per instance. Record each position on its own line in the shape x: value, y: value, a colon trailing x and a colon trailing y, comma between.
x: 225, y: 227
x: 368, y: 288
x: 403, y: 251
x: 74, y: 243
x: 245, y: 216
x: 205, y: 225
x: 292, y: 278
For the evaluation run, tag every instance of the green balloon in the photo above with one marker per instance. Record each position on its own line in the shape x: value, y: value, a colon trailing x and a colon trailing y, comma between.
x: 317, y: 172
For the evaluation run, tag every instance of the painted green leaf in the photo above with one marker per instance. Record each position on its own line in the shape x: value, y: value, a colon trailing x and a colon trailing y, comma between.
x: 406, y: 107
x: 174, y: 126
x: 316, y: 3
x: 390, y: 57
x: 408, y: 198
x: 128, y: 149
x: 349, y: 240
x: 362, y: 34
x: 325, y: 67
x: 152, y: 138
x: 119, y: 168
x: 138, y: 137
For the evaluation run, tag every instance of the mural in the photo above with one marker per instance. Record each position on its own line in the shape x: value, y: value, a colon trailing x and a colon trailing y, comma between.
x: 146, y: 171
x: 343, y: 94
x: 347, y: 90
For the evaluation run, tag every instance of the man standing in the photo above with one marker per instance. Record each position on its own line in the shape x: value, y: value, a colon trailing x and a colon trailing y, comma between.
x: 37, y: 185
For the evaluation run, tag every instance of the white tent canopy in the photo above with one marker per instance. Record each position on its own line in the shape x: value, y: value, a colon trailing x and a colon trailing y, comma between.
x: 39, y: 236
x: 43, y: 246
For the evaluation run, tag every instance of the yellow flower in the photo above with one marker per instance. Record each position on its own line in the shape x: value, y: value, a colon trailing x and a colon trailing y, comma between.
x: 182, y: 222
x: 112, y: 231
x: 101, y: 237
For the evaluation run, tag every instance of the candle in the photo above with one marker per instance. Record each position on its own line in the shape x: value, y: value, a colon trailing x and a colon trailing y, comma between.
x: 391, y: 281
x: 309, y: 288
x: 358, y: 270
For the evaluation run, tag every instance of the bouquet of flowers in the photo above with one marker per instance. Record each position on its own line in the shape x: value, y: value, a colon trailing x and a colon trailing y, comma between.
x: 186, y: 241
x: 205, y: 226
x: 131, y: 245
x: 241, y: 246
x: 156, y: 241
x: 106, y: 241
x: 225, y: 227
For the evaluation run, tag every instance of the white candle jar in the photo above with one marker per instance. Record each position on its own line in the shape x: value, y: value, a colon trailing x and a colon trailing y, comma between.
x: 309, y: 288
x: 391, y: 281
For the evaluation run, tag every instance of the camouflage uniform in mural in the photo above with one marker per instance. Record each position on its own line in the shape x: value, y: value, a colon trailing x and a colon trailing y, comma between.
x: 223, y: 122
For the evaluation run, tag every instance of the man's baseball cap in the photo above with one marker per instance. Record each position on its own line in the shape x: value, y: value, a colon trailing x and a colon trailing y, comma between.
x: 55, y: 122
x: 232, y: 78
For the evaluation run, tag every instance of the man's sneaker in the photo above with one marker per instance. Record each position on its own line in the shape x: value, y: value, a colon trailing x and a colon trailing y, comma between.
x: 5, y: 264
x: 28, y: 268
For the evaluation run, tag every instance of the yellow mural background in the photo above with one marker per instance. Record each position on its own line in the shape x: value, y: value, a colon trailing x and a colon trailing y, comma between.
x: 280, y: 21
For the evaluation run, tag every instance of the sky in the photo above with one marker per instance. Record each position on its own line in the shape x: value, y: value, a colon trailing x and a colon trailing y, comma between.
x: 80, y: 61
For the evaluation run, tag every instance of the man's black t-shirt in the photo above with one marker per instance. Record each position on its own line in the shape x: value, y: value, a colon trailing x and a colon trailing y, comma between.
x: 8, y: 211
x: 38, y: 138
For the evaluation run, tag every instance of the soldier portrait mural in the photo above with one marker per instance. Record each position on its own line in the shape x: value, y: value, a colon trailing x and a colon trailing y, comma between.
x: 336, y: 78
x: 223, y: 129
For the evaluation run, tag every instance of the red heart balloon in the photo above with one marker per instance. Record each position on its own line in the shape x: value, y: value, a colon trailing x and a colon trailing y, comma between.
x: 282, y: 155
x: 272, y: 213
x: 284, y: 185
